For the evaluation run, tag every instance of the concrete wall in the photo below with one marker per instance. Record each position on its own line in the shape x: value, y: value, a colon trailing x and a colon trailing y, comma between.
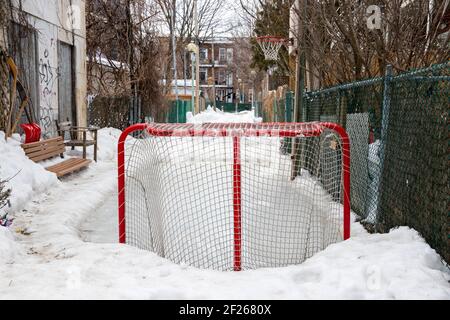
x: 51, y: 20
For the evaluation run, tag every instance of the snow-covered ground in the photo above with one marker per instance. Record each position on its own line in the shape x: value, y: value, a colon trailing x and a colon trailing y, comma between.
x: 212, y: 116
x: 63, y: 244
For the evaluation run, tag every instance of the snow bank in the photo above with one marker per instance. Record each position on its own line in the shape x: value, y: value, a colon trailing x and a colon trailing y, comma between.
x: 9, y: 249
x: 106, y: 148
x: 211, y: 116
x: 28, y: 178
x: 107, y: 143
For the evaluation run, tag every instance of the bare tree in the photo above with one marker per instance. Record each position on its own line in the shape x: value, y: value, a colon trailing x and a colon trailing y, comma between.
x: 341, y: 45
x: 122, y: 49
x: 4, y: 71
x: 210, y: 23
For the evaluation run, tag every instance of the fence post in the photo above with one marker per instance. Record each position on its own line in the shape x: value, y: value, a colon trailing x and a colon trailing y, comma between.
x: 130, y: 111
x: 339, y: 109
x: 139, y: 118
x: 384, y: 131
x: 287, y: 117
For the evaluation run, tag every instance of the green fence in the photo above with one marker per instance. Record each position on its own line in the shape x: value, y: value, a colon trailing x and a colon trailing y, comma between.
x: 177, y: 111
x: 233, y: 107
x: 282, y: 109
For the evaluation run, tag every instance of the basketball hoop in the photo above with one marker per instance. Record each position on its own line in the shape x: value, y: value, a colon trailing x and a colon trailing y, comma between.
x: 270, y: 45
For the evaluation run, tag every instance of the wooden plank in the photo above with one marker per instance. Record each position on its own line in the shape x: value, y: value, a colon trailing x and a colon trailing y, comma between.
x: 34, y: 144
x: 74, y: 168
x: 79, y: 143
x: 47, y: 156
x: 43, y: 147
x: 60, y: 166
x: 60, y: 149
x: 69, y: 166
x: 66, y: 164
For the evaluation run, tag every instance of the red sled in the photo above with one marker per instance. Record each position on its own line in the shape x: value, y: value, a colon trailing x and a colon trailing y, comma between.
x: 32, y: 132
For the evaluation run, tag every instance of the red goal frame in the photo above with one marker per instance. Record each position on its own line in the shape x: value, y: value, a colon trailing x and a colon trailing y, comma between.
x: 236, y: 131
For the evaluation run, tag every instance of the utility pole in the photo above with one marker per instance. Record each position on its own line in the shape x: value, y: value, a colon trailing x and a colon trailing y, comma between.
x: 213, y: 71
x: 174, y: 53
x: 197, y: 58
x: 299, y: 112
x: 300, y: 64
x: 429, y: 22
x: 194, y: 109
x: 184, y: 71
x: 253, y: 76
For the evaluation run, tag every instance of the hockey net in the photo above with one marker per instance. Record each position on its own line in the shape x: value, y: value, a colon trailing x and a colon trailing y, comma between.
x: 232, y: 196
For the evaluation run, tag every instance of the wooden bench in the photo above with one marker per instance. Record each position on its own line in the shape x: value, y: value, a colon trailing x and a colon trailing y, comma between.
x: 50, y: 148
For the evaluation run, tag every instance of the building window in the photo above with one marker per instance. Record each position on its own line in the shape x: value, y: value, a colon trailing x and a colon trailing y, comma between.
x: 220, y: 95
x: 222, y: 55
x: 230, y: 79
x: 221, y: 77
x: 230, y: 55
x: 230, y: 95
x: 203, y: 54
x: 203, y: 75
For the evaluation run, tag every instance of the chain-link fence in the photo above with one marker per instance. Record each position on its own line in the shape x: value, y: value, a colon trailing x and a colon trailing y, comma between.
x: 399, y: 133
x: 357, y: 107
x: 414, y: 184
x: 399, y: 130
x: 114, y: 112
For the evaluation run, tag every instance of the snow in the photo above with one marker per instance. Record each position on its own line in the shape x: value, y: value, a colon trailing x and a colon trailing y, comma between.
x: 26, y: 178
x: 217, y: 116
x: 9, y: 248
x: 67, y: 249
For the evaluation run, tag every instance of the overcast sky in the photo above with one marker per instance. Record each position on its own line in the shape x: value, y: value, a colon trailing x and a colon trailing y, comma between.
x: 229, y: 15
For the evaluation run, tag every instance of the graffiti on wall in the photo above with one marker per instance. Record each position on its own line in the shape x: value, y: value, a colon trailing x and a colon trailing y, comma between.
x: 48, y: 75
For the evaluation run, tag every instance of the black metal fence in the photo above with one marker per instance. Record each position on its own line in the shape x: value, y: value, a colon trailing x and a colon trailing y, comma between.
x: 114, y: 112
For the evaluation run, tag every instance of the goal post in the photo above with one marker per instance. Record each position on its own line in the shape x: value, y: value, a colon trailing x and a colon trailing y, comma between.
x: 221, y: 196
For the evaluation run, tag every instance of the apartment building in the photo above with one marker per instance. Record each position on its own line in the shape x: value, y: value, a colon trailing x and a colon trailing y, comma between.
x: 217, y: 72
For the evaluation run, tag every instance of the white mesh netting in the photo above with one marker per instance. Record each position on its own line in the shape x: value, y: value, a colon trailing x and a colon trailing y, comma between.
x: 228, y: 202
x: 270, y: 47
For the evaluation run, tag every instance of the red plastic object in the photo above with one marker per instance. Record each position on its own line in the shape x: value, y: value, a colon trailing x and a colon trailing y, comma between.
x: 32, y: 132
x: 237, y: 203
